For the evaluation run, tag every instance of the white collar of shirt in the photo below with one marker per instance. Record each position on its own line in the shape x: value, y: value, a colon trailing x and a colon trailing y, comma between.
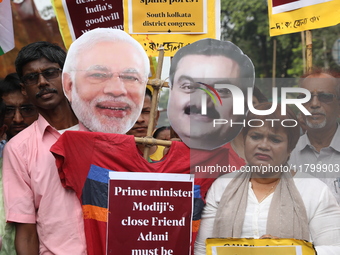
x: 73, y: 128
x: 335, y: 143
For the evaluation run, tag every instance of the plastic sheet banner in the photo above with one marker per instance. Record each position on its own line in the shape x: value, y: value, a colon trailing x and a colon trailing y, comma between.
x: 290, y: 16
x: 171, y: 23
x: 250, y: 246
x: 76, y: 17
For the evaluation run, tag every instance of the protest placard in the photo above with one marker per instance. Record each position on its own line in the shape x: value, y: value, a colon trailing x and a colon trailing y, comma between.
x: 171, y: 23
x: 246, y: 246
x: 164, y: 17
x: 149, y: 213
x: 290, y: 16
x: 79, y: 16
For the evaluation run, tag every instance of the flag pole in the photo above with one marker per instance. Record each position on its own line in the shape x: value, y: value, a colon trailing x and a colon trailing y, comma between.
x: 309, y: 51
x: 274, y: 64
x: 154, y: 100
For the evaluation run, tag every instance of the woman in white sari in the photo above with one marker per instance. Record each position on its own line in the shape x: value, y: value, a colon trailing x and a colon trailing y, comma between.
x: 257, y: 203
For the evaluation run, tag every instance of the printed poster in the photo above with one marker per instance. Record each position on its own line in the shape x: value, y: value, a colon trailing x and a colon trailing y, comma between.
x: 167, y: 16
x: 171, y: 23
x: 280, y: 6
x: 149, y: 213
x: 250, y: 246
x: 291, y: 16
x: 76, y: 17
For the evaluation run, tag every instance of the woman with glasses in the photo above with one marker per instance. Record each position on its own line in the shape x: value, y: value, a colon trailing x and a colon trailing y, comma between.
x: 265, y: 198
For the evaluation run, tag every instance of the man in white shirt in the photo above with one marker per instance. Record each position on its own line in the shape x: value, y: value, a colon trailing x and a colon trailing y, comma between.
x: 318, y: 150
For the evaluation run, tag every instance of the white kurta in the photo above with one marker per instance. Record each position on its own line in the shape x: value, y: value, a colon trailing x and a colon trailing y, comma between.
x: 323, y: 213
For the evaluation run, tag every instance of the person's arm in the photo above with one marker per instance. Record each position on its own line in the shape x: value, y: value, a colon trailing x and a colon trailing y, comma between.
x: 325, y: 225
x: 207, y: 222
x: 26, y: 239
x: 19, y: 197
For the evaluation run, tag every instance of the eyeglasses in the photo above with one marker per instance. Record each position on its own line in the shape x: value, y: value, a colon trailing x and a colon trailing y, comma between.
x: 99, y: 76
x: 48, y: 74
x: 322, y: 97
x: 25, y: 111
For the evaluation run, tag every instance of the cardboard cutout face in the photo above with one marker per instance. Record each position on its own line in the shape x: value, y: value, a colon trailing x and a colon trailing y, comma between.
x: 106, y: 82
x: 198, y: 97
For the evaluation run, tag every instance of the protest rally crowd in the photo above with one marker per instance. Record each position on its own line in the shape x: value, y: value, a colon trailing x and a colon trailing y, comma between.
x: 63, y: 113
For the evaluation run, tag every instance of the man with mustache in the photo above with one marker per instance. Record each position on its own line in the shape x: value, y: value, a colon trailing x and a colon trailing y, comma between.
x: 48, y: 218
x: 20, y: 112
x: 319, y: 147
x: 195, y: 70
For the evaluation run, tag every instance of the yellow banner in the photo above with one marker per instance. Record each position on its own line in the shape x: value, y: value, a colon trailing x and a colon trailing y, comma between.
x: 261, y: 250
x: 175, y: 16
x: 171, y: 23
x: 290, y: 16
x: 246, y: 246
x: 62, y: 22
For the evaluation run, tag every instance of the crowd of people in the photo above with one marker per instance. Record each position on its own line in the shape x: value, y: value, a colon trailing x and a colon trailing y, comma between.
x: 62, y: 113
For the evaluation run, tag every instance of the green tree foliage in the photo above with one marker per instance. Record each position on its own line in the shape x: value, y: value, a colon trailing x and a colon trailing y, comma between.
x: 323, y: 40
x: 245, y: 23
x: 163, y: 99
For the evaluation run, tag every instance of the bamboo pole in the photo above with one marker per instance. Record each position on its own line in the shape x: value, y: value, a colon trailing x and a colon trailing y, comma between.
x: 309, y: 51
x: 154, y: 101
x: 274, y: 64
x: 152, y: 141
x: 303, y: 42
x: 156, y: 82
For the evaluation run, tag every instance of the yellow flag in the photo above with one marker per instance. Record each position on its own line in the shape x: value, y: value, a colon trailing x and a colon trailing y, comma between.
x: 290, y: 16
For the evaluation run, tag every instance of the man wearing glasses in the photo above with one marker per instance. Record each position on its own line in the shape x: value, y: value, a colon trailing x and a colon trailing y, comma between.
x: 20, y: 112
x: 318, y: 150
x: 47, y: 216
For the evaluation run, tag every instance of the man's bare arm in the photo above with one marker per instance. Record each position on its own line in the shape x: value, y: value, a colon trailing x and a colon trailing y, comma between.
x: 26, y: 239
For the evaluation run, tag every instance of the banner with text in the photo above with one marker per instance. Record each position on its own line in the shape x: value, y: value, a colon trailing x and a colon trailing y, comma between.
x: 173, y: 16
x: 290, y: 16
x: 246, y: 246
x: 79, y: 16
x: 149, y: 213
x: 171, y: 23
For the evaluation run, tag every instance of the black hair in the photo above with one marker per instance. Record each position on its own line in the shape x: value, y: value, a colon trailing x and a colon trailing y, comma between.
x: 10, y: 84
x: 34, y: 51
x: 148, y: 93
x: 2, y: 112
x: 212, y: 47
x: 159, y: 130
x: 293, y: 132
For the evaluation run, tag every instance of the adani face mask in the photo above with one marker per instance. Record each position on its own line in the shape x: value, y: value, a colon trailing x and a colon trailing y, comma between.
x: 196, y: 99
